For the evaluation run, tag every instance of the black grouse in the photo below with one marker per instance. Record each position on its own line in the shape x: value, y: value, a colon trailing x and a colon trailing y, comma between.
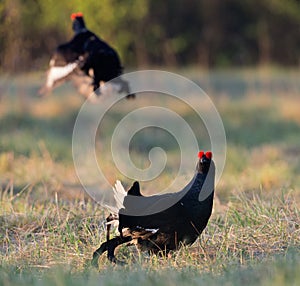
x: 180, y: 223
x: 85, y: 54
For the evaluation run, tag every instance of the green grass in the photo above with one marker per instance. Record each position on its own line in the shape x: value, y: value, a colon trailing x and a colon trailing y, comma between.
x: 278, y: 271
x: 49, y: 227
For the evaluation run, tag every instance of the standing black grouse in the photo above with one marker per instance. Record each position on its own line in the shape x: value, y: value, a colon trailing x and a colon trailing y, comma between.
x: 181, y: 223
x: 85, y: 55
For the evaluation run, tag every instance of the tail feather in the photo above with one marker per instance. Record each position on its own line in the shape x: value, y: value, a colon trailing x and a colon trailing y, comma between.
x: 119, y: 196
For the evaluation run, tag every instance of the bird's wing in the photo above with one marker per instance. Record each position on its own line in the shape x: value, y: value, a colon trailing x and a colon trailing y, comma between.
x: 63, y: 62
x: 142, y: 206
x: 56, y: 74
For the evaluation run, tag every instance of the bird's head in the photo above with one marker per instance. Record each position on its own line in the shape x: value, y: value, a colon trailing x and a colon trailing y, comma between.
x: 205, y: 160
x: 78, y: 24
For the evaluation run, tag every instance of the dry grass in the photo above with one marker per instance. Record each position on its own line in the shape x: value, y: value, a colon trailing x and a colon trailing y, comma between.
x: 49, y: 227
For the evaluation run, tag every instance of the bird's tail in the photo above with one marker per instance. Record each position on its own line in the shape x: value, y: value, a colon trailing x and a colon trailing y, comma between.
x: 119, y: 195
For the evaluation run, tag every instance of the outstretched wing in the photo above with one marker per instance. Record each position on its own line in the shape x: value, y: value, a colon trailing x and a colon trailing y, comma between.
x: 57, y: 74
x: 59, y: 71
x: 65, y: 64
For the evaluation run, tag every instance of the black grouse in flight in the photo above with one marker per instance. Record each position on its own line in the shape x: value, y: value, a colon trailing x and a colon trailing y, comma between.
x: 88, y: 57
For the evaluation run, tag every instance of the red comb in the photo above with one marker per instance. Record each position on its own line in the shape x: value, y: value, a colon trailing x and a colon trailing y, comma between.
x: 208, y: 155
x: 200, y: 154
x: 75, y: 15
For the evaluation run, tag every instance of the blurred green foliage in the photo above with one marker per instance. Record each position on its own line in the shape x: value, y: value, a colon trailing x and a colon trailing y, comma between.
x: 154, y: 33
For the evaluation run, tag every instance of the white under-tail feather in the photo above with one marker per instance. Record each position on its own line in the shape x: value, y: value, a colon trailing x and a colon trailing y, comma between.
x: 57, y: 73
x: 119, y: 195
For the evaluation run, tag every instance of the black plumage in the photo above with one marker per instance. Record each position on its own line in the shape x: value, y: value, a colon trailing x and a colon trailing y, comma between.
x: 94, y: 58
x: 181, y: 223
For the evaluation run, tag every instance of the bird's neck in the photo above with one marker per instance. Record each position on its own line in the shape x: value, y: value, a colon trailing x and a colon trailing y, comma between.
x: 199, y: 178
x: 206, y: 183
x: 80, y: 30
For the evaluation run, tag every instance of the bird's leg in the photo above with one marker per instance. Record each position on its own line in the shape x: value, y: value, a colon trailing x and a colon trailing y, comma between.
x: 96, y: 88
x: 107, y: 232
x: 103, y: 247
x: 124, y: 87
x: 96, y: 81
x: 111, y: 246
x: 108, y: 226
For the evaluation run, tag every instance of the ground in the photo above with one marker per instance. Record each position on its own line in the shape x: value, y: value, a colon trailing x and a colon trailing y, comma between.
x: 50, y: 227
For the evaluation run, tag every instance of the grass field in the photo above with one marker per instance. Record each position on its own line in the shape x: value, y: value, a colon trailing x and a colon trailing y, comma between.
x: 49, y: 227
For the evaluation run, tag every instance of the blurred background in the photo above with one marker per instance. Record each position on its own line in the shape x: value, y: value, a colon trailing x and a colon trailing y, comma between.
x: 245, y: 54
x: 173, y: 33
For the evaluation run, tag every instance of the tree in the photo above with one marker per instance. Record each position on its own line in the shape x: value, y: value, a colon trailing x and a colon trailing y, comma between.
x: 171, y: 32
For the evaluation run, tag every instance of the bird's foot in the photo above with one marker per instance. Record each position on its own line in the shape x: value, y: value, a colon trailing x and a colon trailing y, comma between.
x: 98, y: 253
x: 94, y: 261
x: 131, y: 96
x: 125, y: 89
x: 114, y: 260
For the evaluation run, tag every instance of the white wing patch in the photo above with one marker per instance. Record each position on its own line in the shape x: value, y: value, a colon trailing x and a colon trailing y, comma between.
x: 152, y: 230
x: 57, y: 73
